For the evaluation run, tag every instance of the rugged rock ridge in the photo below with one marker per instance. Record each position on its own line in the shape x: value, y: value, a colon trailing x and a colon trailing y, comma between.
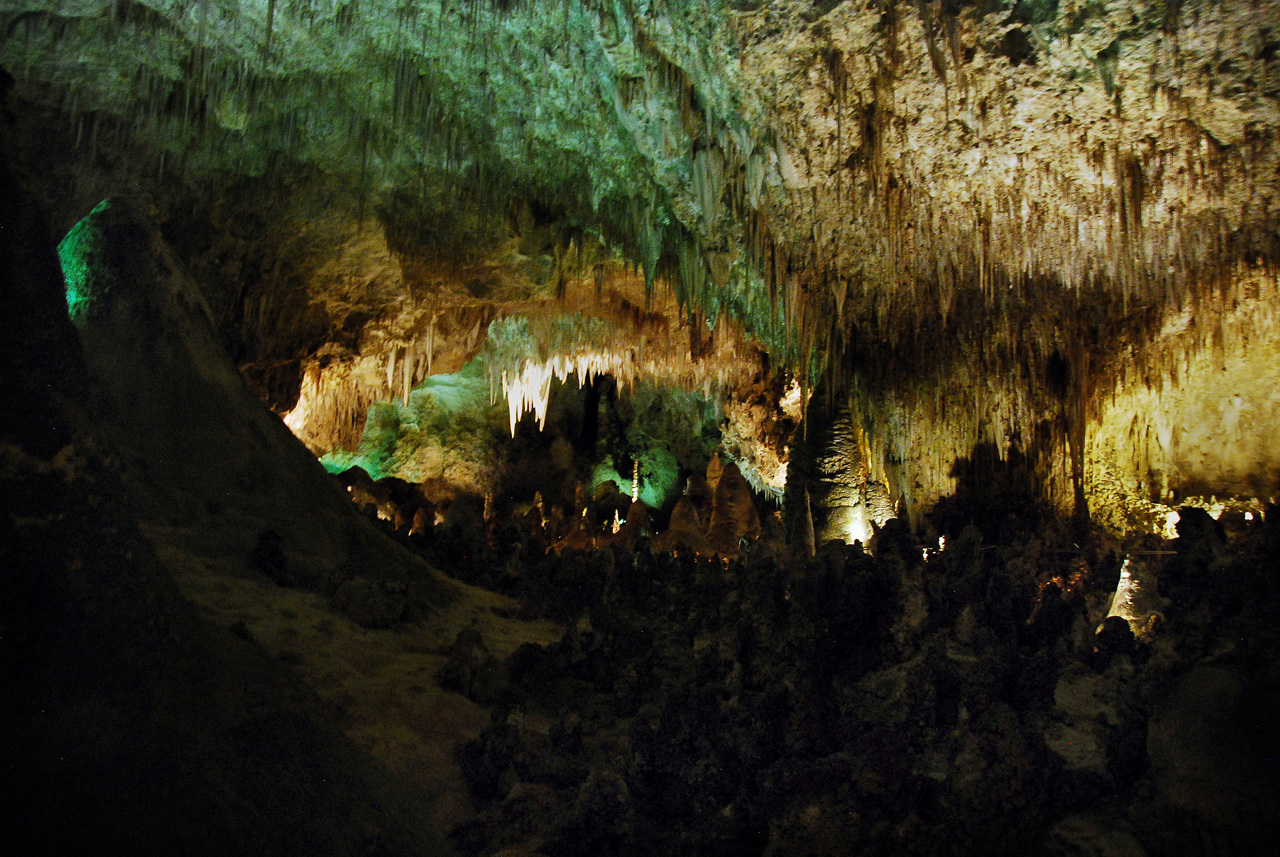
x: 198, y: 447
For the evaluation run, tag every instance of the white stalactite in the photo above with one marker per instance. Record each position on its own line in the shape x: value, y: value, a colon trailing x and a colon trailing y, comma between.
x: 408, y: 372
x: 431, y: 342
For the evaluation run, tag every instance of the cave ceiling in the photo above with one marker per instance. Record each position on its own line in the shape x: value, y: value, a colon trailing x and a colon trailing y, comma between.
x: 992, y: 209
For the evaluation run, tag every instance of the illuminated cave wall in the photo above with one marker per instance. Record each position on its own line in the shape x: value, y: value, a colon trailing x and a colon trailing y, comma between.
x: 453, y: 438
x: 447, y: 432
x: 980, y: 221
x: 1196, y: 421
x: 670, y: 432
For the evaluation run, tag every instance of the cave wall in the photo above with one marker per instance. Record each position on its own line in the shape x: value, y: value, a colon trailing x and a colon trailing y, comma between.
x: 1196, y: 423
x: 977, y: 219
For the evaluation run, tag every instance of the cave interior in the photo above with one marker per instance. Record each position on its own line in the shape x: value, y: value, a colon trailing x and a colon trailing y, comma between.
x: 621, y: 427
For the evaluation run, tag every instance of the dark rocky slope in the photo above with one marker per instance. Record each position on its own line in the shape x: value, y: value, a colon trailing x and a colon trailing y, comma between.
x: 132, y: 725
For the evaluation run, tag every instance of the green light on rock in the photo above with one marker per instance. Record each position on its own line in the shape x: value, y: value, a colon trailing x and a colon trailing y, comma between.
x: 659, y: 478
x: 337, y: 461
x: 660, y: 475
x: 76, y: 252
x: 606, y: 472
x: 448, y: 430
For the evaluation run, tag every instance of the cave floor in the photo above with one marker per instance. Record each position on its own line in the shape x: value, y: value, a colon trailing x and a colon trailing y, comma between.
x: 383, y: 682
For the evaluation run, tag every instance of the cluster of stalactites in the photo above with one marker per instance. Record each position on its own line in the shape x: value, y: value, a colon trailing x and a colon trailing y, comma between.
x: 1148, y: 394
x: 1192, y: 409
x: 855, y: 212
x: 409, y: 363
x: 527, y: 387
x: 449, y: 99
x: 525, y: 355
x: 331, y: 408
x: 913, y: 436
x: 336, y: 393
x: 928, y: 182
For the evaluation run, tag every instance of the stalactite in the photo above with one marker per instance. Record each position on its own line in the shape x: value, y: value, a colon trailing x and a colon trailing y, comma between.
x: 895, y: 249
x: 408, y: 373
x: 431, y: 342
x: 271, y: 18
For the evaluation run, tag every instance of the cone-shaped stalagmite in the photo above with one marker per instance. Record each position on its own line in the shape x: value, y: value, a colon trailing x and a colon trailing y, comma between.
x: 733, y: 514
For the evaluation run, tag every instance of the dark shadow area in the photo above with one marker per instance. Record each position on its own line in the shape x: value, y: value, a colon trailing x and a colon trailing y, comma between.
x: 871, y: 704
x: 132, y: 724
x: 1000, y: 493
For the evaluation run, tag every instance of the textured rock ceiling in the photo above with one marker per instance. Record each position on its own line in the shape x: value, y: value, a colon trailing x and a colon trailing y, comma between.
x: 972, y: 214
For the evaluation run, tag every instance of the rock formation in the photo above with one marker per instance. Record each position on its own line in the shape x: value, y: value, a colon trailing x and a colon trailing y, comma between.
x: 846, y: 424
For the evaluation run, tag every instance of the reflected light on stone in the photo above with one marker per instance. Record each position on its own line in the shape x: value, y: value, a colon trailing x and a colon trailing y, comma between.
x: 793, y: 400
x: 1135, y: 599
x: 854, y: 525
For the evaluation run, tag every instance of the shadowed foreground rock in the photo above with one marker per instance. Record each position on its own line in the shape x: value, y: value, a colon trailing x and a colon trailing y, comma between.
x: 132, y: 724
